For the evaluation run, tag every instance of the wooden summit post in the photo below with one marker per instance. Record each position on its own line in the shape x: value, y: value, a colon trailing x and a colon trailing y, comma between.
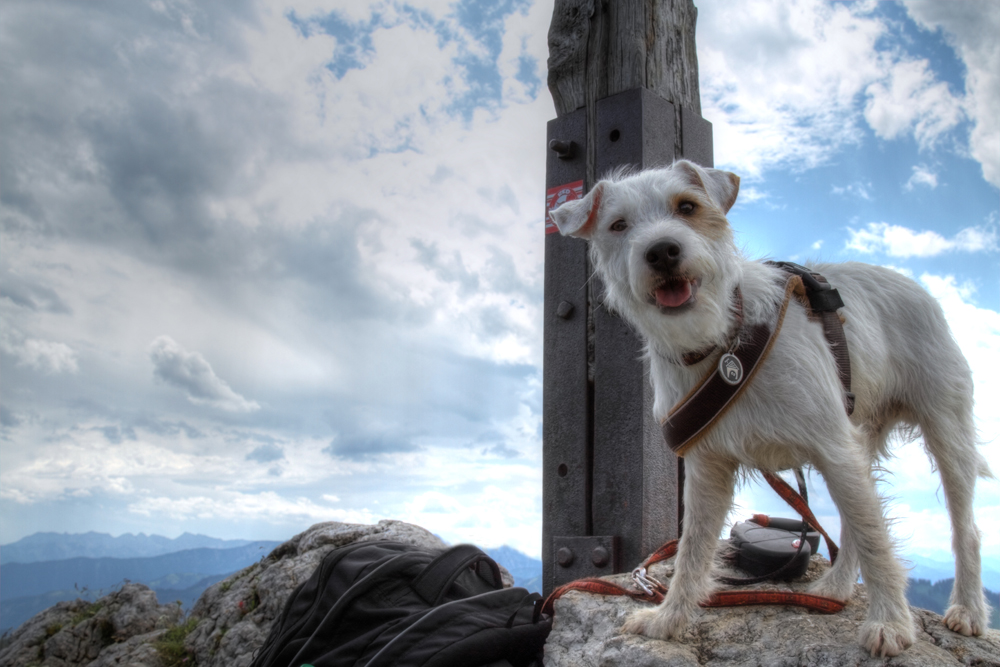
x: 624, y: 78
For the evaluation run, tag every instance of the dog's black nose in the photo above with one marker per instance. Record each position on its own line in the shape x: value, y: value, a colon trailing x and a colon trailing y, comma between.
x: 664, y: 255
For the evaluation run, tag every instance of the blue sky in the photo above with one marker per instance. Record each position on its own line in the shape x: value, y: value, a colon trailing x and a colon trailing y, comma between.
x: 265, y: 263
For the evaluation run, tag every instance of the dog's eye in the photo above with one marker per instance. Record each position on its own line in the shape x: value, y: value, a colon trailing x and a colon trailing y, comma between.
x: 686, y: 207
x: 619, y: 226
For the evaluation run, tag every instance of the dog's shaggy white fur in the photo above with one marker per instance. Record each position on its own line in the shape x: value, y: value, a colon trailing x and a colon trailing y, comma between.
x: 662, y: 246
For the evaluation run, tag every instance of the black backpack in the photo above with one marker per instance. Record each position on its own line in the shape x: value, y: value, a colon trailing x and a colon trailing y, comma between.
x: 386, y: 604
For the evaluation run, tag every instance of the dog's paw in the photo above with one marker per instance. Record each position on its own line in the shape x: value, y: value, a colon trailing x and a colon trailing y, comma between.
x: 656, y: 623
x: 884, y: 640
x: 826, y: 587
x: 965, y: 621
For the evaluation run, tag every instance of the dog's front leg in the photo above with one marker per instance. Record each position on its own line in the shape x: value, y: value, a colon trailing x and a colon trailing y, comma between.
x: 708, y: 495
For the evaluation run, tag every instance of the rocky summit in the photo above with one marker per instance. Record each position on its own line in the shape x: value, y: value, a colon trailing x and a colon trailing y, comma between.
x: 586, y: 633
x: 232, y: 619
x: 119, y: 629
x: 227, y: 624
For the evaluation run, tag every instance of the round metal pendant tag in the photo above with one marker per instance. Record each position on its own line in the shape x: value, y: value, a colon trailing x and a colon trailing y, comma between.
x: 730, y: 369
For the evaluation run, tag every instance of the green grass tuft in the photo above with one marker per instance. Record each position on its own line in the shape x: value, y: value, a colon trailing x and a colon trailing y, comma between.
x: 170, y: 645
x: 87, y: 612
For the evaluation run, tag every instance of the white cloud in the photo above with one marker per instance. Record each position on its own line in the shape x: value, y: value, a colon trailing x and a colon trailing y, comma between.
x: 856, y: 189
x: 971, y: 27
x: 277, y: 213
x: 190, y: 372
x: 902, y: 270
x: 46, y: 356
x: 79, y: 462
x: 911, y: 100
x: 266, y: 506
x: 922, y: 175
x: 788, y: 84
x: 779, y: 80
x: 899, y: 241
x: 749, y: 195
x: 497, y: 515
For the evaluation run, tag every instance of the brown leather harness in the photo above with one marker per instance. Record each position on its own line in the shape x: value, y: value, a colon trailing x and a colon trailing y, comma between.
x: 695, y: 414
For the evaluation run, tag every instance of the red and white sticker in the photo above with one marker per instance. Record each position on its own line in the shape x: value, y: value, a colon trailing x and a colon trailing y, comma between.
x: 556, y: 197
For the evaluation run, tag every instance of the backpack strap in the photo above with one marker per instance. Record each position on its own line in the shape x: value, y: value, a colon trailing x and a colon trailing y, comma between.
x: 441, y: 573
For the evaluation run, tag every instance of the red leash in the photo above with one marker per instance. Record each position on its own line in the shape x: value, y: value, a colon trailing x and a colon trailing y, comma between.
x: 649, y: 589
x: 657, y: 591
x: 792, y: 497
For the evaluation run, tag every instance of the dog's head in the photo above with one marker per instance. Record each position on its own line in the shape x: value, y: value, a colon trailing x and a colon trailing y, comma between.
x: 661, y: 244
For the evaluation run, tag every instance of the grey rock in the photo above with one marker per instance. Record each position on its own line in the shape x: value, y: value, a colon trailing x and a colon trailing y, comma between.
x: 138, y: 651
x: 235, y: 615
x: 586, y: 634
x: 78, y: 632
x: 232, y: 618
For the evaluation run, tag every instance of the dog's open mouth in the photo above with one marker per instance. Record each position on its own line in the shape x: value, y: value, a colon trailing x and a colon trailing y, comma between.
x: 675, y: 292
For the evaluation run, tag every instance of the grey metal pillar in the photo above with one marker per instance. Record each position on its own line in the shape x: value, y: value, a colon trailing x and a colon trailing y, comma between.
x: 611, y: 486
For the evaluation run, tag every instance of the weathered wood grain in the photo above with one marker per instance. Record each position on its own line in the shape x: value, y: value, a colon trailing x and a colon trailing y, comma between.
x: 601, y: 47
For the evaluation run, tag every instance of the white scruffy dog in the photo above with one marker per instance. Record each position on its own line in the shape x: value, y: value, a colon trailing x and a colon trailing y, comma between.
x: 907, y: 369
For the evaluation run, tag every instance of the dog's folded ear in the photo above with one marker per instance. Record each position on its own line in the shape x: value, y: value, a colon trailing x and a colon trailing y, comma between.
x: 721, y: 186
x: 579, y: 217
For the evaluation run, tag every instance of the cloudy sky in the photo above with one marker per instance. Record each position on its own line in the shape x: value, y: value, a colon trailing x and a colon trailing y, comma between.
x: 270, y: 263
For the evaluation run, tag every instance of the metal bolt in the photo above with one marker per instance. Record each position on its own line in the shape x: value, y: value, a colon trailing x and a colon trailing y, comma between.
x: 565, y: 557
x: 600, y: 556
x: 565, y: 310
x: 564, y: 149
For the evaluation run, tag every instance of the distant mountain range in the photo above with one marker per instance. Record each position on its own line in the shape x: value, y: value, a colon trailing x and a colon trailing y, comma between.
x: 60, y: 546
x: 16, y: 611
x: 935, y: 570
x: 527, y: 571
x: 42, y: 569
x: 45, y: 568
x: 21, y: 579
x: 28, y: 588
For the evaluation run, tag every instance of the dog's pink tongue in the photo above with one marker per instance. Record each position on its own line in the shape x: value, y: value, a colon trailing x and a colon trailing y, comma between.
x: 673, y: 294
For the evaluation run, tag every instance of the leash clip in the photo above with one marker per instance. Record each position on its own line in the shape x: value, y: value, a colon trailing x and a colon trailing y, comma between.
x: 645, y: 582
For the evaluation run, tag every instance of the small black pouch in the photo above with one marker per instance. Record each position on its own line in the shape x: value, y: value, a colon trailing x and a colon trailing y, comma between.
x: 765, y: 549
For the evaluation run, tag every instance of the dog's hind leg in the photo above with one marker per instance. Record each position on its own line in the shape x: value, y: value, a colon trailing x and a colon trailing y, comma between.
x: 838, y: 582
x: 708, y: 496
x: 888, y: 629
x: 950, y: 439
